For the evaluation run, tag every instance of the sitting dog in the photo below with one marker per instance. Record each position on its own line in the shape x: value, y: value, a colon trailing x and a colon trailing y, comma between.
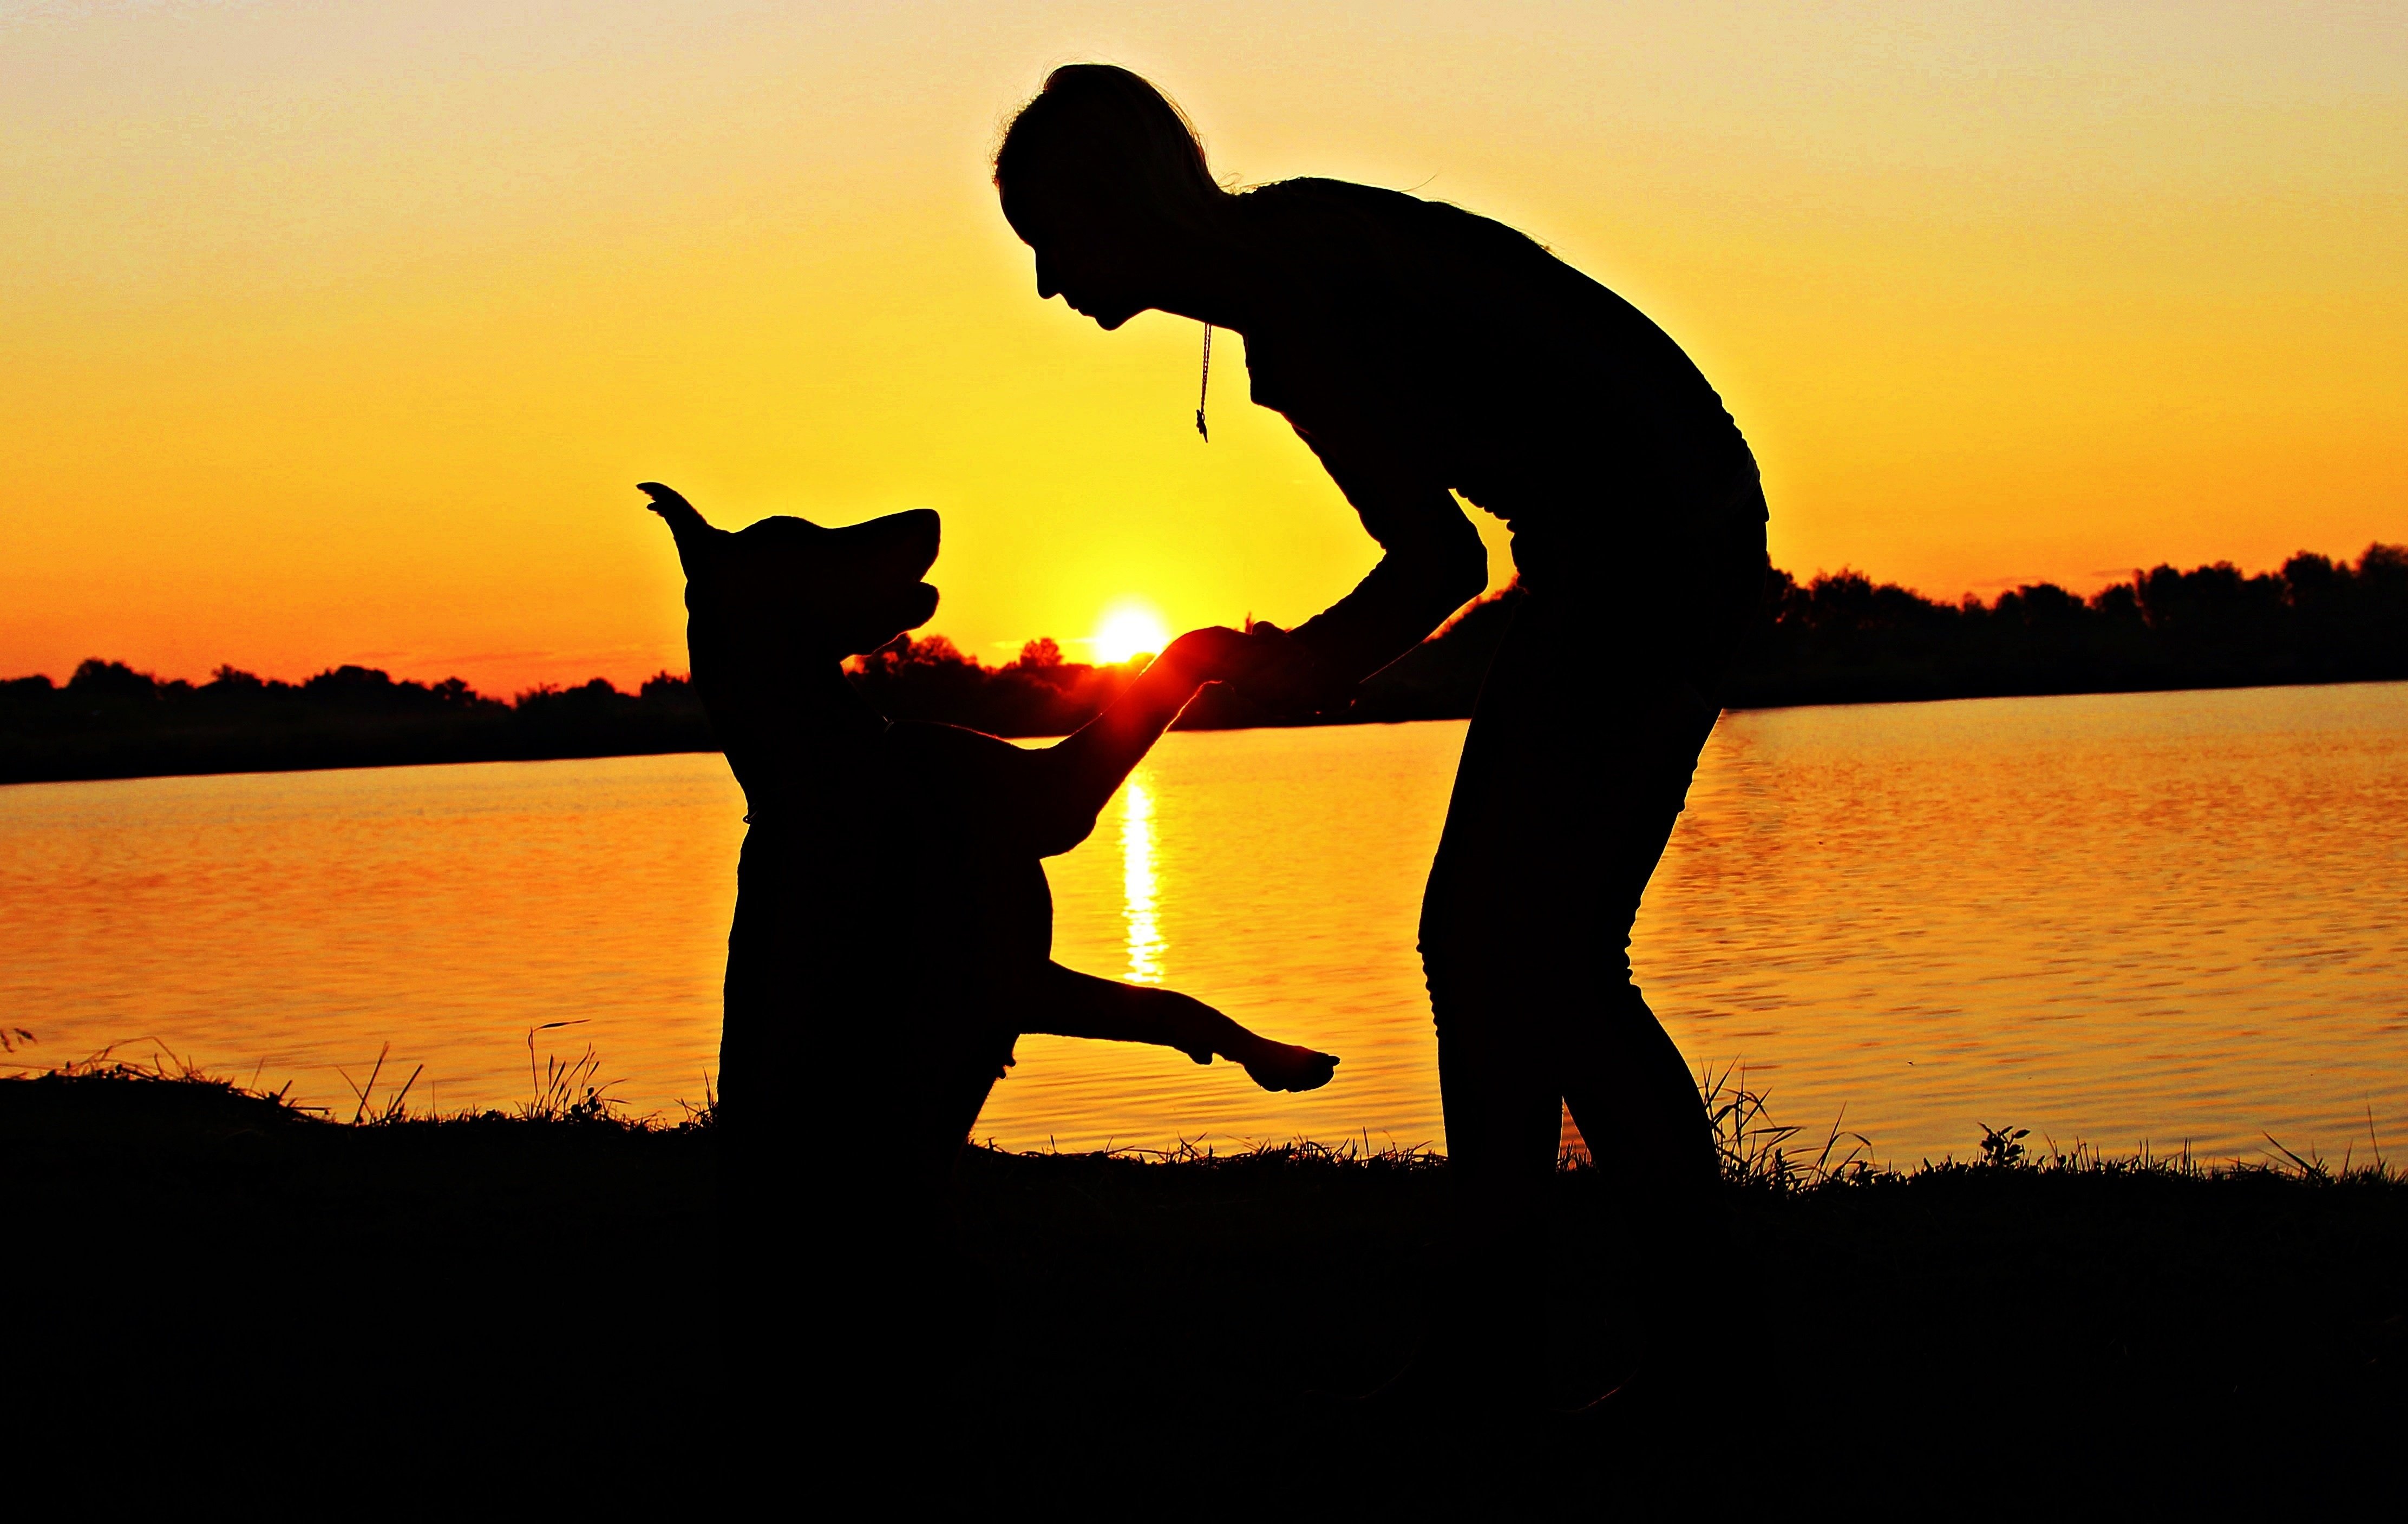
x: 893, y: 928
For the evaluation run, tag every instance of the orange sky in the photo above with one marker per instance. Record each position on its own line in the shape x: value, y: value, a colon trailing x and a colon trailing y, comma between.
x: 342, y: 332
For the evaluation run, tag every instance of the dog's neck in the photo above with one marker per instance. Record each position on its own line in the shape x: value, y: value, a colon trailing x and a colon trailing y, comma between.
x: 788, y: 733
x: 831, y: 710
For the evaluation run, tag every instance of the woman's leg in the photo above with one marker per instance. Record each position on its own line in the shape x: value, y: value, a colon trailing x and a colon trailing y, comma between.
x: 1626, y: 1082
x: 1628, y: 1088
x: 1488, y: 973
x: 1493, y: 981
x: 1574, y: 772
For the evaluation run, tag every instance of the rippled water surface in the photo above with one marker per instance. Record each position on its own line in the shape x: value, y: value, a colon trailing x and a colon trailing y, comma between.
x: 2159, y: 917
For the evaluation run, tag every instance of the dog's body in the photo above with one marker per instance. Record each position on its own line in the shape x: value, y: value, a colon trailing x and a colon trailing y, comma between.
x: 894, y: 926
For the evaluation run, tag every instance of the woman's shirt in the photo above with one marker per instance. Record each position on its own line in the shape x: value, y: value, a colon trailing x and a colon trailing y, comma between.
x: 1418, y: 348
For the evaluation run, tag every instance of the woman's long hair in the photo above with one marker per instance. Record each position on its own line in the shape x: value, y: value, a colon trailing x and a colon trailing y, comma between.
x: 1101, y: 138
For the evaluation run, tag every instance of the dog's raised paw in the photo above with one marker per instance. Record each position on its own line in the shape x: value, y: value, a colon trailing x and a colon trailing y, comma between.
x: 1292, y: 1068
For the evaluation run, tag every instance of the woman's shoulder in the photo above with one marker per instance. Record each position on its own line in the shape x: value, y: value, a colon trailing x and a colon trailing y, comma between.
x: 1360, y: 249
x: 1308, y: 190
x: 1339, y: 208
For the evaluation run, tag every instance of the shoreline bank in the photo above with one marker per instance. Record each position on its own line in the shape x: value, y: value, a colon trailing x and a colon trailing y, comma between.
x: 184, y: 1243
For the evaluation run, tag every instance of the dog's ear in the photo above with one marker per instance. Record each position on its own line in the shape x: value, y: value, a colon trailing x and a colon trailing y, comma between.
x: 694, y: 536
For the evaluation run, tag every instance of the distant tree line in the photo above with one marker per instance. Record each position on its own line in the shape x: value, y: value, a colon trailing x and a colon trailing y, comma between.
x: 107, y: 721
x: 1843, y: 639
x: 1036, y: 693
x: 1838, y: 639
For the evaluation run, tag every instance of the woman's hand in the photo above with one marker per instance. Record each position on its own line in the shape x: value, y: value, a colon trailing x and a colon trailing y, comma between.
x: 1282, y: 677
x: 1212, y: 655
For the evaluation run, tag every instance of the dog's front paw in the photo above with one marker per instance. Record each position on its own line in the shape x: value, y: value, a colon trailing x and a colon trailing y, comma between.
x: 1286, y: 1066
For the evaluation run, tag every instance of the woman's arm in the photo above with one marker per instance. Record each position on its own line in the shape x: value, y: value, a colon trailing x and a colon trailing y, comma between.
x: 1434, y: 565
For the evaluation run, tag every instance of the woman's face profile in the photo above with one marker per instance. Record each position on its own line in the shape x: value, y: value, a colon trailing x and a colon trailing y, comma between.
x: 1089, y: 262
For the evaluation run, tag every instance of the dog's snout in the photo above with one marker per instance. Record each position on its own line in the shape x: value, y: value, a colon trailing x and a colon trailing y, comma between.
x: 899, y: 548
x: 920, y: 535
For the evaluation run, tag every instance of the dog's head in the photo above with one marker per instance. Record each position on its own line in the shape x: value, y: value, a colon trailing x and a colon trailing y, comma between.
x: 814, y: 591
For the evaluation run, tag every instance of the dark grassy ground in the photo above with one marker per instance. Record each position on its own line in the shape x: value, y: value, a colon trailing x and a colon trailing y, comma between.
x: 195, y: 1273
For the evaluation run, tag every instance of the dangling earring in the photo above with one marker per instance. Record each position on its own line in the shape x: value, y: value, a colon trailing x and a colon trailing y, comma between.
x: 1204, y: 385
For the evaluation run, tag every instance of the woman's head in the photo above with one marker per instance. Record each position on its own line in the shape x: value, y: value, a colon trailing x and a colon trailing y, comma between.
x: 1105, y: 180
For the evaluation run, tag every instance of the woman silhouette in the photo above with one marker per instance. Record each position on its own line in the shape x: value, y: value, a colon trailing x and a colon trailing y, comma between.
x: 1423, y: 352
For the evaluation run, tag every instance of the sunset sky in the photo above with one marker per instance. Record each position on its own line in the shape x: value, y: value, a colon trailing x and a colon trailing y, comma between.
x: 343, y: 332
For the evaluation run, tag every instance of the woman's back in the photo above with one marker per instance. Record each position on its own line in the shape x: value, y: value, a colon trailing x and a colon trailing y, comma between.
x: 1421, y: 332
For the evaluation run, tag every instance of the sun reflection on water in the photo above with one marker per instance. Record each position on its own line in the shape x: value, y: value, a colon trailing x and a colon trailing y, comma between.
x: 1145, y: 943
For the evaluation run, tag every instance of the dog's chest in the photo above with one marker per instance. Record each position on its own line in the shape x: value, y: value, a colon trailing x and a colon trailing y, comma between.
x: 991, y: 896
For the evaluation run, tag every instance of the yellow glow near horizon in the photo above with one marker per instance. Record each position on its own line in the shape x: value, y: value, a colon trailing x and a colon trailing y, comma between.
x: 337, y: 332
x: 1129, y: 629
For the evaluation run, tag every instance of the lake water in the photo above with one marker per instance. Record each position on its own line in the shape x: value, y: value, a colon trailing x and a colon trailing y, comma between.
x: 2154, y: 917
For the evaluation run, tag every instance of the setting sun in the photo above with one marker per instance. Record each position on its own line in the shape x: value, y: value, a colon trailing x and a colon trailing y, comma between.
x: 1129, y: 629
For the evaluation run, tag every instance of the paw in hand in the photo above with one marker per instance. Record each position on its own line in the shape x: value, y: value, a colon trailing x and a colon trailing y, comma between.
x: 1285, y: 1066
x: 1210, y: 655
x: 1280, y: 676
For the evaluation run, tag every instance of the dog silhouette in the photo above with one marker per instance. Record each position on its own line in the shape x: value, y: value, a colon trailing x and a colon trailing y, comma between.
x: 894, y: 927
